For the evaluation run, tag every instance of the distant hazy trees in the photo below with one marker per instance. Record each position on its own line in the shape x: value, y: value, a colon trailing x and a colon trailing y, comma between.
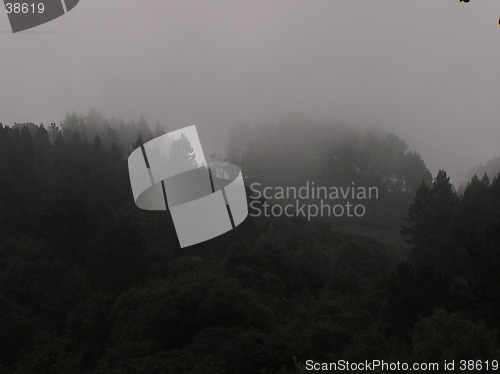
x: 300, y: 150
x: 492, y: 168
x: 112, y: 131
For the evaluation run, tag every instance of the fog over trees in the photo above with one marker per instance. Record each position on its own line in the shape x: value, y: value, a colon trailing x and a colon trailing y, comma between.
x: 425, y: 70
x: 89, y: 283
x: 399, y: 96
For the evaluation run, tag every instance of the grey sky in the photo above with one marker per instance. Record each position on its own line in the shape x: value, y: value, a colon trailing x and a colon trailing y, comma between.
x: 427, y: 70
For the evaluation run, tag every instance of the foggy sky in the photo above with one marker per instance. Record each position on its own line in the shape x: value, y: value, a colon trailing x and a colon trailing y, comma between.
x: 427, y: 70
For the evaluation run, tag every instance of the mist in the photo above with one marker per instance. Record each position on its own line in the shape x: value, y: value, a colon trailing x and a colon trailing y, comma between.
x: 425, y: 70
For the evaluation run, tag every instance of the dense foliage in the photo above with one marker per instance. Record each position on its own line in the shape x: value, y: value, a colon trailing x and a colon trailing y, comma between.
x: 91, y: 284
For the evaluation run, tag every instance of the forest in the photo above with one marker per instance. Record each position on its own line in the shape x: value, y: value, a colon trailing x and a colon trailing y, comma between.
x: 90, y: 284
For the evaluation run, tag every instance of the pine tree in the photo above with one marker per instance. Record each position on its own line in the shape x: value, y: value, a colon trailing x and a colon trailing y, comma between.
x: 418, y: 216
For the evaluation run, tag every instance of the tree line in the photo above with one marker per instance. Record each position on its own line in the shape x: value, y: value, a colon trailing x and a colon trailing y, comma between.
x: 91, y: 284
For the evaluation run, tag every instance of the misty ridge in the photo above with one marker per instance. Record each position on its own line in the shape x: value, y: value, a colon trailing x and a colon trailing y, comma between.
x: 290, y: 153
x: 91, y: 284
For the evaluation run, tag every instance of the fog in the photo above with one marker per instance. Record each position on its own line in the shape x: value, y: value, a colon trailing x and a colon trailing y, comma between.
x: 426, y: 70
